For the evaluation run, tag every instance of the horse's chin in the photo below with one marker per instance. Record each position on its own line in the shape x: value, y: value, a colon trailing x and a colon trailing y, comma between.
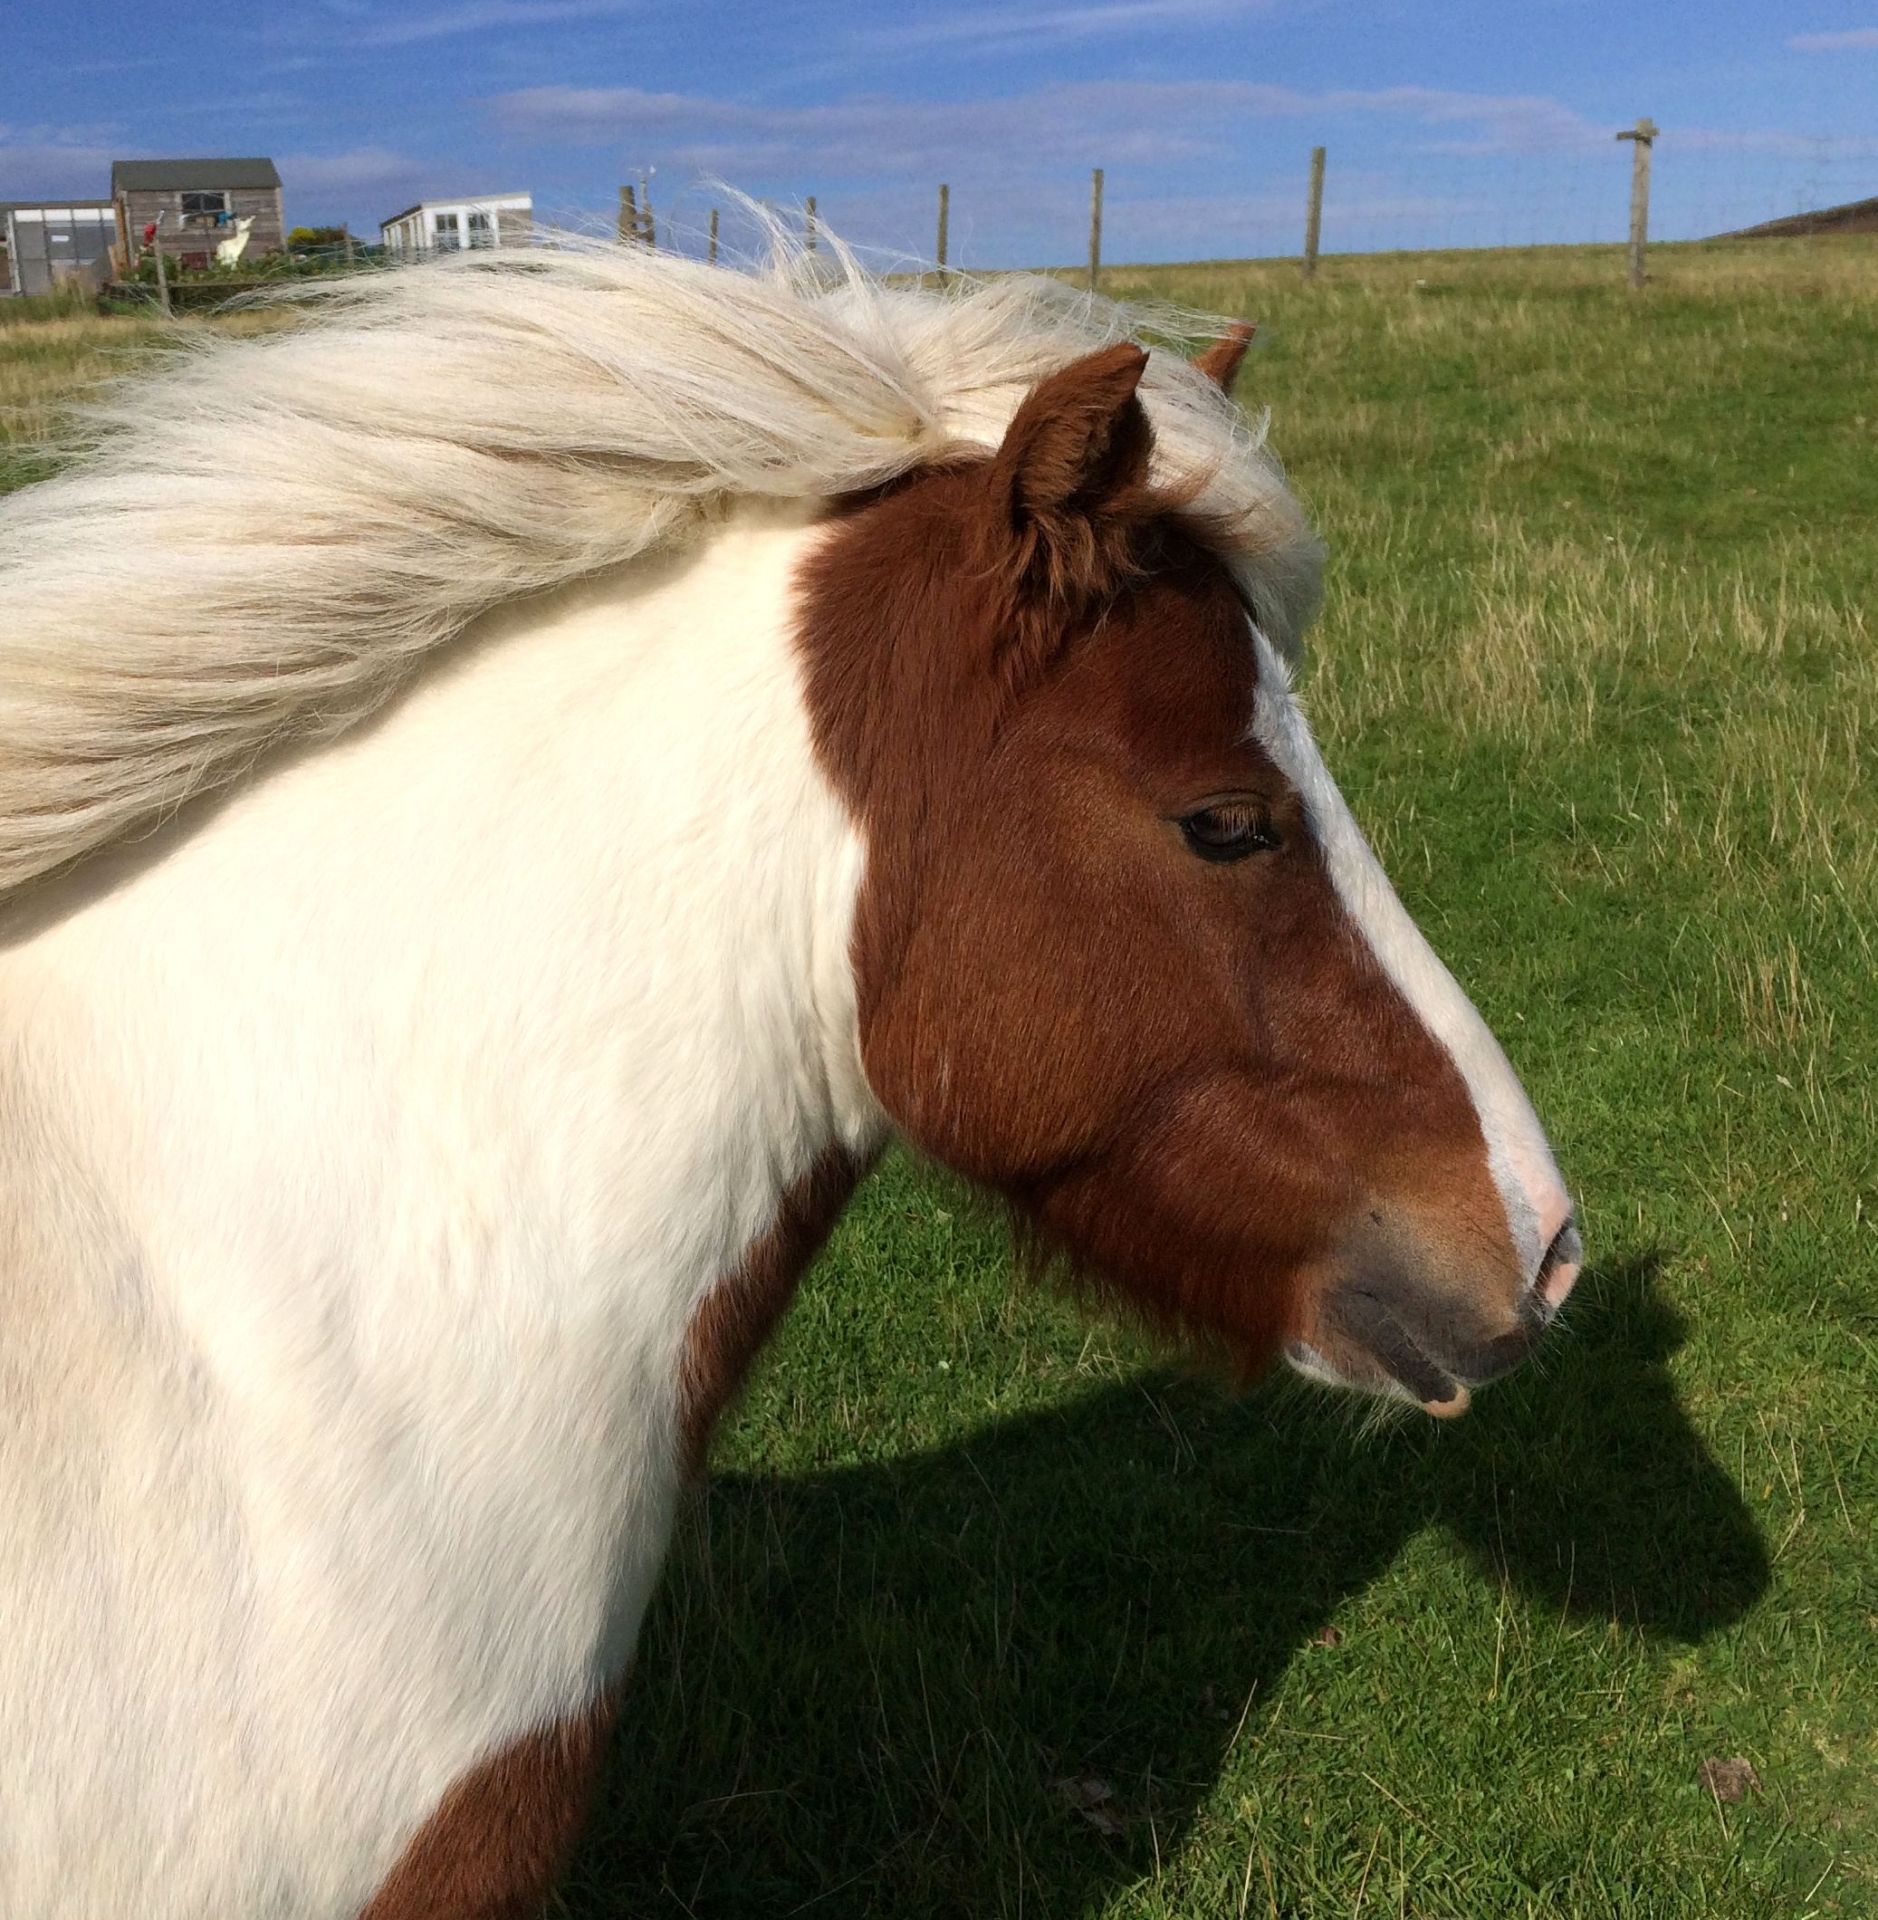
x: 1433, y: 1388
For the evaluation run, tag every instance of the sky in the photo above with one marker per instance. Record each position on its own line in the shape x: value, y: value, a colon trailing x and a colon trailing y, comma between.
x: 1481, y: 122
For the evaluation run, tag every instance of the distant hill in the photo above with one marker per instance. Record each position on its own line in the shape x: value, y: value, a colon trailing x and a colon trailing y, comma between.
x: 1856, y: 216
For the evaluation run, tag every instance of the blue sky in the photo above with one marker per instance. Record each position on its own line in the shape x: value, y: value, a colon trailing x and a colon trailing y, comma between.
x: 1482, y: 121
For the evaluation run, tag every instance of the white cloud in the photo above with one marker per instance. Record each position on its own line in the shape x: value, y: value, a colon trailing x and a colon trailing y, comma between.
x: 320, y: 186
x: 988, y: 30
x: 1119, y: 123
x: 345, y: 172
x: 49, y: 163
x: 1850, y: 40
x: 1500, y: 123
x: 366, y: 26
x: 874, y: 136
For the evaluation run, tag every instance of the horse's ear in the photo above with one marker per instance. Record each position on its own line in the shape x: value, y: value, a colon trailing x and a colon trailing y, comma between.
x: 1070, y: 483
x: 1079, y: 439
x: 1222, y: 360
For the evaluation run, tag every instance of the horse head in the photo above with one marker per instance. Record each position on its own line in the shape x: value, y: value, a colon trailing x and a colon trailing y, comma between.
x: 1123, y: 956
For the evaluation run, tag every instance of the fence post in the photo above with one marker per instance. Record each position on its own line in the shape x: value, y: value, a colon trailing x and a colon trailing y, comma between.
x: 808, y: 221
x: 945, y: 209
x: 1314, y: 212
x: 628, y: 216
x: 1643, y: 138
x: 163, y: 278
x: 711, y: 256
x: 1095, y: 227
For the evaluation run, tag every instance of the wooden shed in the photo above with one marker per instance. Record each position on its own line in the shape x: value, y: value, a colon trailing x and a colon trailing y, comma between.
x: 203, y: 203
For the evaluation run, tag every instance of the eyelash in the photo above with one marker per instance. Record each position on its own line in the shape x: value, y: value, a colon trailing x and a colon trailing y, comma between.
x: 1229, y: 830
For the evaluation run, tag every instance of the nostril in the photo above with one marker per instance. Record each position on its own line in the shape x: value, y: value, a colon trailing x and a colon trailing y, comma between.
x: 1559, y: 1268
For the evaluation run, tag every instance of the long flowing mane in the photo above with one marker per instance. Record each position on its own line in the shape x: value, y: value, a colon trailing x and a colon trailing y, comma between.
x: 269, y: 534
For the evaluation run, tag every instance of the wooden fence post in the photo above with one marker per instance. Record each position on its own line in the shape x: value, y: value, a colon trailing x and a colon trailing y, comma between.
x: 163, y: 278
x: 1643, y: 138
x: 1095, y: 228
x: 1314, y: 212
x: 628, y: 216
x: 711, y: 256
x: 945, y: 209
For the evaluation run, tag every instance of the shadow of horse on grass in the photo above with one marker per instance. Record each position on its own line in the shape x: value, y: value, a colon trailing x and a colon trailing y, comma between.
x: 911, y: 1688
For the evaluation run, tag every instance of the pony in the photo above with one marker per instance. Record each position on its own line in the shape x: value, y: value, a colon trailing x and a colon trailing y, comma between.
x: 511, y: 793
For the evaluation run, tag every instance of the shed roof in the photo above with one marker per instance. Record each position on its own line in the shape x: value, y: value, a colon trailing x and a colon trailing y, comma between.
x: 190, y: 176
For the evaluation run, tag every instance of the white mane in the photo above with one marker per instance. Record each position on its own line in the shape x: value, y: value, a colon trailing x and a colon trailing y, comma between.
x: 274, y: 532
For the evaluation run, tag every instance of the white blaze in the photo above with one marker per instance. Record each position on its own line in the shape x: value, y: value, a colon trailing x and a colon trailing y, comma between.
x: 1518, y: 1156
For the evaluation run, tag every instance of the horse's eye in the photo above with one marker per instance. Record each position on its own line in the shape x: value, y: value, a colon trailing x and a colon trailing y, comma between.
x: 1229, y: 830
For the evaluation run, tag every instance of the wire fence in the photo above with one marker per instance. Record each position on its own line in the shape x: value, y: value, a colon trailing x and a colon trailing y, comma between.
x: 1420, y: 199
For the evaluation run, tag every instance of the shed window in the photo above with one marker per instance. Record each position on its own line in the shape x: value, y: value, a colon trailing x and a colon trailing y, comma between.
x: 482, y: 231
x: 205, y: 209
x: 449, y: 230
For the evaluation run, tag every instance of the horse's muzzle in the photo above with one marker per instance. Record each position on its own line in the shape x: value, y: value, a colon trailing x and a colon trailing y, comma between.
x: 1385, y: 1328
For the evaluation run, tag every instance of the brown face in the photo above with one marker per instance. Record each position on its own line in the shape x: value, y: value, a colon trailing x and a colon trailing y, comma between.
x: 1104, y: 967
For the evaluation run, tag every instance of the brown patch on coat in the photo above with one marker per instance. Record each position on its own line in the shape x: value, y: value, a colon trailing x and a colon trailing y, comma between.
x: 1193, y: 1078
x: 739, y: 1314
x: 499, y: 1838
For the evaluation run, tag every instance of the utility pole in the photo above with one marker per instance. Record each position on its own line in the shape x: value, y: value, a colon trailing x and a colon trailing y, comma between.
x: 1095, y: 228
x: 808, y: 223
x: 628, y: 216
x: 945, y: 209
x: 1643, y: 136
x: 711, y: 257
x: 1314, y: 212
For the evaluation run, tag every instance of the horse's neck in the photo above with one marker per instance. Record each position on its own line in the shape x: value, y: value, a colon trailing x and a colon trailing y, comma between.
x: 518, y: 1008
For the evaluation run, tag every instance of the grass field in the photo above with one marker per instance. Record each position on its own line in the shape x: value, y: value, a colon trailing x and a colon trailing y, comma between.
x: 991, y: 1612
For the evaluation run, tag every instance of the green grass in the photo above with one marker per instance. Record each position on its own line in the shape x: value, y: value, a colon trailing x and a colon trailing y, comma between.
x: 988, y: 1611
